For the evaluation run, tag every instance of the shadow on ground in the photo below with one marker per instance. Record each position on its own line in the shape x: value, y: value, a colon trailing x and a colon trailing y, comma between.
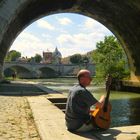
x: 22, y: 89
x: 109, y: 134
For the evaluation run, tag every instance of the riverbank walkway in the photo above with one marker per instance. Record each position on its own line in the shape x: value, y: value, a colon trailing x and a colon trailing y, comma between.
x: 50, y: 121
x: 48, y: 107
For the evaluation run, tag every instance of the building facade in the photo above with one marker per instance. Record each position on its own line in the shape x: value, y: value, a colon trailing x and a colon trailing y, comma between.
x: 52, y: 57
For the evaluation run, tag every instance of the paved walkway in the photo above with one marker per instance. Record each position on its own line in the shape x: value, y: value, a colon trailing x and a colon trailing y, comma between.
x: 16, y: 120
x: 51, y: 124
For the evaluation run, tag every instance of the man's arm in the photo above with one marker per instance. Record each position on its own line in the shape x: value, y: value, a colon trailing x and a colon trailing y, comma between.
x: 100, y: 103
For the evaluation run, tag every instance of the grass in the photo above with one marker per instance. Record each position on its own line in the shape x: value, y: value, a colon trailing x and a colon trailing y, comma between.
x: 138, y: 137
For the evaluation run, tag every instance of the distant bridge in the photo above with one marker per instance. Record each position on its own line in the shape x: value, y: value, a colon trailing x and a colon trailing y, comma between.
x: 38, y: 70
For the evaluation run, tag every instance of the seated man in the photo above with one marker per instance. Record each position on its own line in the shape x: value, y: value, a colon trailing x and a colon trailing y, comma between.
x: 79, y: 102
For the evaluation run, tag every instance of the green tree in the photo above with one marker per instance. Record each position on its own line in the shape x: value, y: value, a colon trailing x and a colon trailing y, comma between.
x: 110, y: 58
x: 76, y: 59
x: 85, y: 59
x: 37, y: 58
x: 12, y: 55
x: 31, y: 59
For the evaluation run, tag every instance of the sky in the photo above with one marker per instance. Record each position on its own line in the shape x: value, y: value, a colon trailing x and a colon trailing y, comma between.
x: 70, y: 33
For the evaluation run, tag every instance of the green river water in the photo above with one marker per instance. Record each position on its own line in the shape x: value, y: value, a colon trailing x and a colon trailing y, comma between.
x: 125, y: 105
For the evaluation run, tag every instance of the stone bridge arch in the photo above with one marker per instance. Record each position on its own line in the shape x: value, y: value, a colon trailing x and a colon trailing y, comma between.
x: 121, y: 17
x: 38, y: 70
x: 47, y: 72
x: 17, y: 65
x: 21, y: 71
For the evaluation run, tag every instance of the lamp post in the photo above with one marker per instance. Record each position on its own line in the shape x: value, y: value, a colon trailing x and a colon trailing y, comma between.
x: 86, y: 63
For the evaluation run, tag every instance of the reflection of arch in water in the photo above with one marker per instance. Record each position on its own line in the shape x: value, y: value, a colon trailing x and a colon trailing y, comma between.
x: 47, y: 72
x: 123, y: 23
x: 134, y: 118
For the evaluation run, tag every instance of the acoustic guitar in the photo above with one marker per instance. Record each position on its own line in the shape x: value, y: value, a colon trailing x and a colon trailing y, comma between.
x: 101, y: 116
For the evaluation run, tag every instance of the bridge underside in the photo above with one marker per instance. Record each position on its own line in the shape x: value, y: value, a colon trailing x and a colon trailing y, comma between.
x: 21, y: 72
x: 121, y: 17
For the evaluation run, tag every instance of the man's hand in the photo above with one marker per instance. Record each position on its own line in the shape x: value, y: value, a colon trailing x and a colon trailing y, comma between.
x: 100, y: 103
x: 102, y: 99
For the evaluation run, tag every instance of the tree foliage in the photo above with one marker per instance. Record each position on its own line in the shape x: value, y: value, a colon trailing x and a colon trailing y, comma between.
x: 85, y: 59
x: 76, y: 58
x: 12, y: 55
x: 79, y: 59
x: 37, y: 58
x: 110, y: 58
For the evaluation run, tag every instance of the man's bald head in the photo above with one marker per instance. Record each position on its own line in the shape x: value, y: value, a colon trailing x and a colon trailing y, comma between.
x: 82, y: 73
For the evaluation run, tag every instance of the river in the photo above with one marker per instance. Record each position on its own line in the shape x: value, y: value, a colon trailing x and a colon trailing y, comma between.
x: 125, y: 105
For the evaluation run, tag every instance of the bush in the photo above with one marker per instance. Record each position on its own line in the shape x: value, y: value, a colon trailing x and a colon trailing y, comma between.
x: 138, y: 137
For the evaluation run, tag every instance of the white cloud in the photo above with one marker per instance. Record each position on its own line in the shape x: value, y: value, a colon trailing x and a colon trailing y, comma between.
x: 28, y: 36
x: 44, y: 24
x: 78, y: 39
x: 64, y: 21
x: 64, y: 38
x: 81, y: 37
x: 77, y: 43
x: 46, y: 36
x: 89, y: 23
x: 29, y: 45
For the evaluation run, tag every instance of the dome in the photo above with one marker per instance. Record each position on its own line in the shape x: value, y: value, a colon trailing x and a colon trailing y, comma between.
x: 56, y: 53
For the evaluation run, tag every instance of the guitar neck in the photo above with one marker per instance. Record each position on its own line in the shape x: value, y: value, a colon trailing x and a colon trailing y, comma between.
x: 106, y: 98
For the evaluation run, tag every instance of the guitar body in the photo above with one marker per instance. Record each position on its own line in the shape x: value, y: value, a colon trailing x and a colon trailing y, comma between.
x: 102, y: 118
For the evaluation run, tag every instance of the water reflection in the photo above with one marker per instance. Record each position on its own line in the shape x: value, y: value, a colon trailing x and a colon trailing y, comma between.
x: 125, y: 106
x: 125, y: 111
x: 134, y: 117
